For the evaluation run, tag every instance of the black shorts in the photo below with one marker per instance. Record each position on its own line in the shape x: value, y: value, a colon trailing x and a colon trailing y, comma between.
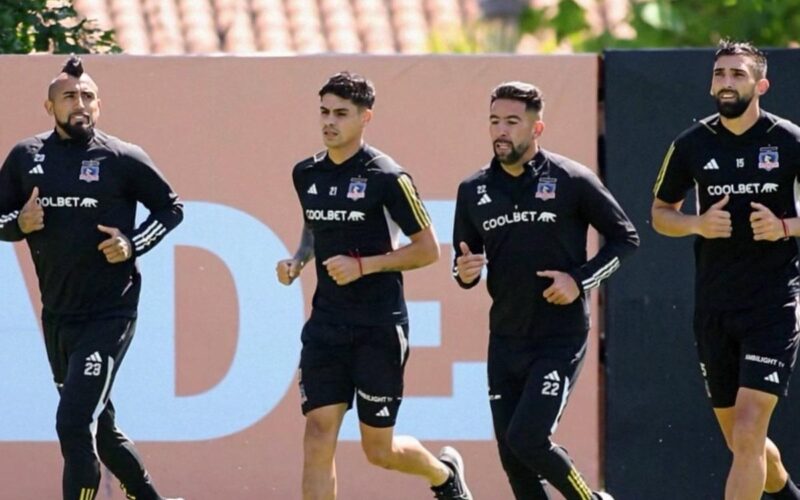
x: 341, y: 361
x: 754, y: 348
x: 530, y: 381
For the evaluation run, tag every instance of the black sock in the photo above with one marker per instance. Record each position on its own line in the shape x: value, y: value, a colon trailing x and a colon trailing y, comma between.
x: 789, y: 492
x: 446, y: 481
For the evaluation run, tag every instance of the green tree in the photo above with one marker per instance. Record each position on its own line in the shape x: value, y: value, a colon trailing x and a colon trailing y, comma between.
x: 675, y: 23
x: 32, y: 26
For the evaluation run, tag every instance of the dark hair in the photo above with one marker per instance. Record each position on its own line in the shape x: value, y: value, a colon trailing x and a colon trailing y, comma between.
x: 727, y: 47
x: 522, y: 92
x: 73, y: 66
x: 350, y: 86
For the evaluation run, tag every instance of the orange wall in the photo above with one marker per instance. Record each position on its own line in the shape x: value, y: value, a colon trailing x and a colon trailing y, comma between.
x: 226, y: 132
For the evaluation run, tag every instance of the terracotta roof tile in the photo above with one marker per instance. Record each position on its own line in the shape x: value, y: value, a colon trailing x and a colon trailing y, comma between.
x: 280, y: 26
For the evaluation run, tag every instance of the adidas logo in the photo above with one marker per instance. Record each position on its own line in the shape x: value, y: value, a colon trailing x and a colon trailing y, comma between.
x: 37, y: 170
x: 312, y: 189
x: 773, y: 377
x: 384, y: 412
x: 94, y: 357
x: 484, y: 199
x: 711, y: 165
x: 553, y: 375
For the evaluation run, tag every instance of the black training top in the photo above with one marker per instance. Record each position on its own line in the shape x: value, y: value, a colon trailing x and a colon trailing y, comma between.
x: 537, y: 222
x: 761, y: 165
x: 358, y: 208
x: 81, y: 185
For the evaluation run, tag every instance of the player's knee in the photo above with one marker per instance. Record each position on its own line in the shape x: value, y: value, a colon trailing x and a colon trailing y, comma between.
x: 321, y: 429
x: 75, y: 439
x: 68, y: 428
x: 378, y: 455
x: 773, y: 456
x: 748, y: 438
x: 378, y: 452
x: 532, y: 451
x: 525, y: 437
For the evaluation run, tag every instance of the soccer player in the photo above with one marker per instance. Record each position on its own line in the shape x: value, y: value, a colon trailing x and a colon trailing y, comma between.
x: 744, y: 163
x: 355, y: 201
x: 71, y: 194
x: 525, y: 217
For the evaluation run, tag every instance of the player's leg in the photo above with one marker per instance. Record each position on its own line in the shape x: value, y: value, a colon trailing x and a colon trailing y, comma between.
x: 401, y: 453
x: 81, y: 473
x: 319, y: 449
x: 93, y: 351
x: 748, y: 473
x: 777, y: 485
x: 380, y: 358
x: 326, y: 391
x: 119, y: 454
x: 768, y: 339
x: 507, y: 374
x: 550, y: 382
x: 115, y: 450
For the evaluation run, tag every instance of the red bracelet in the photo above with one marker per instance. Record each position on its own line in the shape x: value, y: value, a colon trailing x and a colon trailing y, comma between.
x: 785, y: 229
x: 356, y: 255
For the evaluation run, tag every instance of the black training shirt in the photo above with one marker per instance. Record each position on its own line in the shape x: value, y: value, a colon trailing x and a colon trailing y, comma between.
x: 761, y: 165
x: 536, y: 222
x: 81, y: 185
x: 358, y: 208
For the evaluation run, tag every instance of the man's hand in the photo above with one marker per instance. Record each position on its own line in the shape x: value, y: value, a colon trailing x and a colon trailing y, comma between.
x: 468, y: 264
x: 343, y: 269
x: 117, y: 248
x: 563, y: 291
x: 716, y: 222
x: 766, y: 226
x: 287, y: 270
x: 31, y: 217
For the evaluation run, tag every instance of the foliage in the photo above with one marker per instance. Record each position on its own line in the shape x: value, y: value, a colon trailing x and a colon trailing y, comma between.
x: 673, y: 23
x: 28, y: 26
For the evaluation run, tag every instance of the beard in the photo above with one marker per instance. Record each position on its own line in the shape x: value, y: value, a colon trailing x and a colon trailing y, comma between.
x: 512, y: 156
x: 733, y: 109
x: 80, y: 131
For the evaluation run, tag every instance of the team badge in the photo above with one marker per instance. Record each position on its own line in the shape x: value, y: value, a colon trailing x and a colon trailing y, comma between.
x: 357, y: 189
x: 768, y: 158
x: 90, y: 171
x: 38, y: 158
x: 546, y: 189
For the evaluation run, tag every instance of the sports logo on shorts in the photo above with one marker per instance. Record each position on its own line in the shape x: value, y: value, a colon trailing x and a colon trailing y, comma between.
x: 357, y: 189
x: 546, y: 189
x: 90, y: 171
x: 94, y: 365
x: 768, y: 158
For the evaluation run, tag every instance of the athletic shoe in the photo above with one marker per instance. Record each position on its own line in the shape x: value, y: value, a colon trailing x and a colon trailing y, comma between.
x: 454, y: 488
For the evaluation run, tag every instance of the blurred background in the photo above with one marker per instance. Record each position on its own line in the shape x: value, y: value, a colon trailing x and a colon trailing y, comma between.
x: 295, y: 27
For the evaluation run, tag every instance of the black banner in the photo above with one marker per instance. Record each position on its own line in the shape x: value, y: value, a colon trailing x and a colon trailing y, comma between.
x: 662, y: 441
